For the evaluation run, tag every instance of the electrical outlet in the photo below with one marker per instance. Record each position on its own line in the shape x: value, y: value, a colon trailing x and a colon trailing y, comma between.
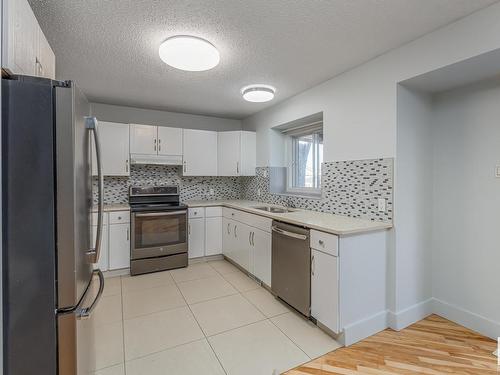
x: 265, y: 173
x: 211, y: 191
x: 382, y: 205
x: 258, y: 192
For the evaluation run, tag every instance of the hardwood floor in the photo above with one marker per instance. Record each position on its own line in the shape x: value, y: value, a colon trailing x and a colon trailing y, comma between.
x: 432, y: 346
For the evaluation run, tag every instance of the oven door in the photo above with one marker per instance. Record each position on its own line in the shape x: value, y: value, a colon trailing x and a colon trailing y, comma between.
x: 158, y: 233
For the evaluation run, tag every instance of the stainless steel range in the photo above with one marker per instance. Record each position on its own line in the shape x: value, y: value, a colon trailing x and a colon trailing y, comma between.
x: 159, y: 229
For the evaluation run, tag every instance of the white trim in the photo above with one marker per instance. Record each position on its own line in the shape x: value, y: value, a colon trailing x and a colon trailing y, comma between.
x: 365, y: 328
x: 410, y: 315
x: 467, y: 318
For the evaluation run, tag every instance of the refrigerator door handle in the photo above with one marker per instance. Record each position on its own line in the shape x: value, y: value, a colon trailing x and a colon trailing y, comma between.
x: 94, y: 254
x: 86, y: 312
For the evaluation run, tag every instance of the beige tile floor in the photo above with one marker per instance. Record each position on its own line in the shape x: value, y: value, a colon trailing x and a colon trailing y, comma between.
x: 208, y: 318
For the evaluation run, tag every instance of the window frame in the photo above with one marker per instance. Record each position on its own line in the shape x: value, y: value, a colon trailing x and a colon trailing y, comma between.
x: 292, y: 155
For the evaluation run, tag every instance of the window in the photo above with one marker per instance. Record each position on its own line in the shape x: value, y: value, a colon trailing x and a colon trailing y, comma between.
x: 305, y: 158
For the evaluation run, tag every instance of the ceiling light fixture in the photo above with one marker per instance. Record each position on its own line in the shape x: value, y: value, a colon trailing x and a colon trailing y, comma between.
x: 258, y: 93
x: 190, y: 53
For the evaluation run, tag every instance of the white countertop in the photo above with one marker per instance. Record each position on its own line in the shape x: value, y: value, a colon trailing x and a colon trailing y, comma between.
x: 335, y: 224
x: 113, y: 207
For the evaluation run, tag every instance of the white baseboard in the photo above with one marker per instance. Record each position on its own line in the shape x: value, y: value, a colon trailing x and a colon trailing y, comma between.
x: 410, y: 315
x: 467, y: 319
x: 365, y: 328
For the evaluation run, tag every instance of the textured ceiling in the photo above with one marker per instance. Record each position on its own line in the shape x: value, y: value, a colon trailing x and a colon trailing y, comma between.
x: 110, y: 47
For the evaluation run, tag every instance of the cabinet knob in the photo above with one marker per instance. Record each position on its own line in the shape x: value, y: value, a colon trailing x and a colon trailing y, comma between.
x: 119, y: 217
x: 321, y: 242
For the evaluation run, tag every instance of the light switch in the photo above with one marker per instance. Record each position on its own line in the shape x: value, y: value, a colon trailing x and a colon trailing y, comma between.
x: 258, y: 192
x: 381, y: 204
x: 211, y: 191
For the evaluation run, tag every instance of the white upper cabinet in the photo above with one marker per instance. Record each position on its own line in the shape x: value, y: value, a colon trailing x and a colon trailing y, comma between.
x: 46, y: 60
x: 169, y: 141
x: 114, y: 140
x: 236, y: 153
x: 200, y: 153
x: 25, y: 49
x: 155, y: 144
x: 143, y: 139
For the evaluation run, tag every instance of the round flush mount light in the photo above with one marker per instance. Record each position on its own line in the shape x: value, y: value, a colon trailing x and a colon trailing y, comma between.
x: 190, y: 53
x: 258, y: 93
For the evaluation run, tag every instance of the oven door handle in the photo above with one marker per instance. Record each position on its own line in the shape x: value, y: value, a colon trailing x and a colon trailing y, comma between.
x: 153, y: 214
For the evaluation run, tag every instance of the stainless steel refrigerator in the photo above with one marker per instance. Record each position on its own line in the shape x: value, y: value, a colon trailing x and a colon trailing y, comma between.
x: 50, y: 286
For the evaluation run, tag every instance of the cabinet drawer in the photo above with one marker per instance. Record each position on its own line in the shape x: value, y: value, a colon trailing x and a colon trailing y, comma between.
x: 196, y: 212
x: 119, y: 217
x: 104, y: 218
x: 230, y: 213
x: 213, y: 211
x: 327, y: 243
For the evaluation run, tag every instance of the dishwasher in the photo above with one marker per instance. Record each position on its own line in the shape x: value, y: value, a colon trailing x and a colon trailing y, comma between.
x: 291, y: 266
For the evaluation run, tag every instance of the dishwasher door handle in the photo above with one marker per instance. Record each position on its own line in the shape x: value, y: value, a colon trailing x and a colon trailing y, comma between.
x: 287, y: 233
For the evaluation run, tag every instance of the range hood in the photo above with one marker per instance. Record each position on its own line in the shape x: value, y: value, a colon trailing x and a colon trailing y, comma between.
x: 156, y: 159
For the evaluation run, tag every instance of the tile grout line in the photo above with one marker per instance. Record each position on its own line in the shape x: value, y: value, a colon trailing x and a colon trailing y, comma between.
x: 202, y: 331
x: 289, y: 338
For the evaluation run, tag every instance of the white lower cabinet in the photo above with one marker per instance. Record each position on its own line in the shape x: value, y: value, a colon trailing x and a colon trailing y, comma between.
x: 196, y: 237
x: 103, y: 263
x: 241, y: 245
x: 227, y: 237
x: 262, y: 255
x: 325, y: 289
x: 119, y: 246
x: 115, y: 245
x: 213, y: 236
x: 245, y: 243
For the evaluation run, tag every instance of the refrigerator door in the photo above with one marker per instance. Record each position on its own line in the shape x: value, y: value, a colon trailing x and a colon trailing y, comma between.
x: 28, y: 228
x: 76, y: 287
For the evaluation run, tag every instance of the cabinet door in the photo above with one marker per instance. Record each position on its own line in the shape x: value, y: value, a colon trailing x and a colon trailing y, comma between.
x: 114, y: 139
x: 22, y: 40
x: 228, y: 153
x: 103, y: 263
x: 200, y: 153
x: 213, y: 236
x: 169, y: 141
x: 248, y: 154
x: 196, y: 238
x: 325, y: 289
x: 227, y: 236
x: 45, y: 57
x: 143, y: 139
x: 242, y: 245
x: 119, y: 246
x: 261, y: 248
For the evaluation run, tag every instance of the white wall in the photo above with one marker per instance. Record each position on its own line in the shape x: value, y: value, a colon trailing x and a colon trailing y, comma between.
x: 412, y: 279
x: 115, y: 113
x: 359, y: 106
x: 466, y: 215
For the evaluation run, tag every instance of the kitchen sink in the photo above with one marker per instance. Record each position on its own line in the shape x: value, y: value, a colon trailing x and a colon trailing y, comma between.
x: 274, y: 210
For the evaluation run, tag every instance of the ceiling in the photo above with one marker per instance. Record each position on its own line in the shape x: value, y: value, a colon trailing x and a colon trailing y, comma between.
x: 110, y: 47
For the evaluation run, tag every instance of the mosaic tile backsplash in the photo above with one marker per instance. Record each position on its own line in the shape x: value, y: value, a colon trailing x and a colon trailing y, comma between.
x: 350, y: 188
x: 116, y: 188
